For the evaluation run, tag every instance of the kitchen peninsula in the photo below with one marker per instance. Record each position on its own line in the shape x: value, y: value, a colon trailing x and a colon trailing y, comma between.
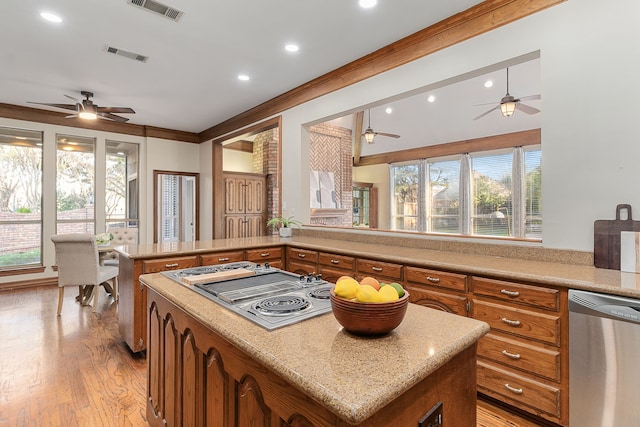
x: 520, y: 291
x: 210, y: 366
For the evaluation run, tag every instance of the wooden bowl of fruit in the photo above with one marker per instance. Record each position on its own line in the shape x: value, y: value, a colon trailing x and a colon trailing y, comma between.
x: 362, y: 308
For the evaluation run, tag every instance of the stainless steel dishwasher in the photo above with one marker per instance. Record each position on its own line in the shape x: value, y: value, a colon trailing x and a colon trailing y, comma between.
x: 604, y: 359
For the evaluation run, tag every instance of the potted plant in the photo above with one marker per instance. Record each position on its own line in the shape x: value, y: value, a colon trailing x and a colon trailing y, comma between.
x: 283, y: 225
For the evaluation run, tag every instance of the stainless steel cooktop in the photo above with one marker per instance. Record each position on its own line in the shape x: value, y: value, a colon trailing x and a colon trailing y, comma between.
x: 272, y: 298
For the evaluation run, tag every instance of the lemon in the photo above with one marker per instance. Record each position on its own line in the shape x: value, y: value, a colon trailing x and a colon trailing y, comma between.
x: 366, y: 293
x: 346, y: 287
x: 398, y: 288
x: 388, y: 293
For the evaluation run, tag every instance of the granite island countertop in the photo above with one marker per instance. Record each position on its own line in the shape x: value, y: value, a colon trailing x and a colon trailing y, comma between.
x: 563, y: 274
x: 349, y: 375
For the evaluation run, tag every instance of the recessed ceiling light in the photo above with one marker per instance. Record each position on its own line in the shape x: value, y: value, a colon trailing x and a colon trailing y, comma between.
x: 388, y: 110
x: 243, y: 77
x: 488, y: 83
x: 291, y: 47
x: 366, y: 4
x: 51, y: 17
x: 431, y: 98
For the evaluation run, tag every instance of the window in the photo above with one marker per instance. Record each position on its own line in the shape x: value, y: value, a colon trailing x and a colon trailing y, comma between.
x: 492, y: 206
x: 75, y: 185
x: 405, y: 181
x: 444, y: 196
x: 494, y: 193
x: 121, y: 192
x: 20, y: 198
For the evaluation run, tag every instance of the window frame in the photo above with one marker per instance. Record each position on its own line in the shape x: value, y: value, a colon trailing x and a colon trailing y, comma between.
x: 518, y: 178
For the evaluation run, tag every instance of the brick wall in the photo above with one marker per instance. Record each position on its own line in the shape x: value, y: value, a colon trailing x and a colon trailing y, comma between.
x: 331, y: 151
x: 265, y: 160
x: 26, y: 237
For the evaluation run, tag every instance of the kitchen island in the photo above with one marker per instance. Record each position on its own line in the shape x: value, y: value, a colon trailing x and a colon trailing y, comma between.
x: 210, y: 366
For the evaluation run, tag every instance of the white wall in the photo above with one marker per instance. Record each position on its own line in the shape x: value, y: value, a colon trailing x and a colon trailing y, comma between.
x: 590, y: 146
x: 169, y: 156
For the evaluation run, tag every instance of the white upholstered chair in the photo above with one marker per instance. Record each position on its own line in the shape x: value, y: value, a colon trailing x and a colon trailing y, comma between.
x: 78, y: 265
x: 122, y: 236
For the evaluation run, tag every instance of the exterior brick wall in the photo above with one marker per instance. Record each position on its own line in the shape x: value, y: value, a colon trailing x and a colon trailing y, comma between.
x: 27, y: 237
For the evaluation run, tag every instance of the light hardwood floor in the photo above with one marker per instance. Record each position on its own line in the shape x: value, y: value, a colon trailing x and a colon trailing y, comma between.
x: 75, y: 370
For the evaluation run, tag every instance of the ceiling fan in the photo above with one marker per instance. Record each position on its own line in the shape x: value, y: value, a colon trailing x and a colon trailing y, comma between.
x: 509, y: 103
x: 86, y: 109
x: 369, y: 133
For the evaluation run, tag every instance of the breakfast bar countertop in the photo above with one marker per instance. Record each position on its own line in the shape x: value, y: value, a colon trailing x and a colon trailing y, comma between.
x: 351, y: 376
x: 563, y: 274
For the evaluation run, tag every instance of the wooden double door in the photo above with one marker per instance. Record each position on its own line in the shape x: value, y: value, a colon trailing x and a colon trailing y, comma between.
x: 245, y: 207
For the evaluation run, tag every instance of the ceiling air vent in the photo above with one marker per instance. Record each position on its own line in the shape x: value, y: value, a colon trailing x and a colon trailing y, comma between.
x: 159, y: 8
x: 127, y: 54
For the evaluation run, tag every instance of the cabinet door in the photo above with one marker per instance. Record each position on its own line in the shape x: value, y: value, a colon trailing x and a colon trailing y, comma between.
x: 233, y: 196
x: 234, y: 226
x: 255, y: 225
x: 450, y: 303
x: 254, y: 196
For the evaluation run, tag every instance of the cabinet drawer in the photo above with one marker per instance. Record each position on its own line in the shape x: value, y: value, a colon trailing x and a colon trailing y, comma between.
x: 440, y: 279
x: 337, y: 261
x: 519, y: 355
x: 440, y: 301
x: 264, y: 254
x: 302, y: 255
x: 332, y: 275
x: 221, y: 258
x: 523, y: 392
x: 517, y: 293
x: 164, y: 264
x: 372, y: 268
x: 524, y: 323
x: 302, y: 268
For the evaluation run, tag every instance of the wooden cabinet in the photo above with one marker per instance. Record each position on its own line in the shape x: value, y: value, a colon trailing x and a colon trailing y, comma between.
x: 383, y: 271
x: 222, y: 258
x: 165, y: 264
x: 437, y: 289
x: 132, y: 313
x: 245, y: 205
x: 333, y: 266
x: 195, y: 377
x: 301, y: 261
x: 523, y: 361
x: 272, y: 255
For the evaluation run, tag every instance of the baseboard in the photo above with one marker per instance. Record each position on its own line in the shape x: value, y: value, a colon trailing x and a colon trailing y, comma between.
x: 49, y: 281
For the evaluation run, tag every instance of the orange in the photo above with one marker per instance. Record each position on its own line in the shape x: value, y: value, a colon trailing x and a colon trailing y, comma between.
x: 371, y: 281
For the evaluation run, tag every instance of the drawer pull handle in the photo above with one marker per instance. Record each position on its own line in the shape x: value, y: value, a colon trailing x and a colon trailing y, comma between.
x: 264, y: 254
x: 510, y: 293
x: 301, y: 255
x: 175, y: 264
x: 378, y: 269
x: 335, y: 261
x: 511, y: 322
x: 513, y: 389
x: 433, y: 279
x: 223, y: 259
x: 515, y: 356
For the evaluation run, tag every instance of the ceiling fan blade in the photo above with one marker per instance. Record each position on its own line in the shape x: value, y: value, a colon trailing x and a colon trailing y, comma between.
x: 113, y: 117
x: 71, y: 116
x: 526, y: 108
x: 486, y: 103
x: 497, y: 107
x: 63, y: 106
x: 391, y: 135
x: 72, y: 98
x: 116, y: 110
x: 529, y: 98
